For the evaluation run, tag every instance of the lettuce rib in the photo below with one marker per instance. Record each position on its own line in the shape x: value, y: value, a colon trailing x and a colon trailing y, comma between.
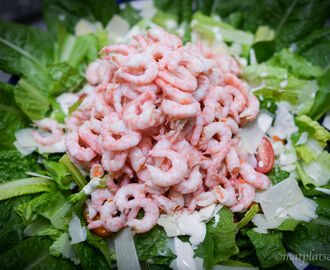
x: 74, y: 171
x: 24, y: 186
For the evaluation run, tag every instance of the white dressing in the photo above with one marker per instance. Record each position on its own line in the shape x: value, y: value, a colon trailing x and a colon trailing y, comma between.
x: 91, y: 186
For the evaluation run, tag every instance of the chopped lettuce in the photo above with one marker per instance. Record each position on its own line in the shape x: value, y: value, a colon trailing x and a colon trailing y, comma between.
x: 276, y: 83
x: 277, y: 175
x: 268, y: 245
x: 264, y: 33
x: 248, y: 216
x: 305, y: 179
x: 295, y: 64
x: 219, y: 243
x: 151, y: 247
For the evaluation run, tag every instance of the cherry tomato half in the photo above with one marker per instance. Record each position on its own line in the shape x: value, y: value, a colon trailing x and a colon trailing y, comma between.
x: 265, y: 156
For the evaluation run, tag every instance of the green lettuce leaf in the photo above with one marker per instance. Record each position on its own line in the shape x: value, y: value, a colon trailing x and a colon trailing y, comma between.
x: 151, y: 247
x: 24, y: 186
x: 310, y: 241
x: 219, y: 243
x: 14, y: 166
x: 89, y: 257
x: 102, y: 10
x: 277, y: 175
x: 130, y: 14
x: 289, y: 224
x: 11, y: 117
x: 33, y: 253
x: 20, y: 44
x: 269, y: 247
x: 59, y: 173
x: 11, y: 224
x: 305, y: 179
x: 295, y: 64
x: 316, y: 47
x: 277, y: 84
x: 52, y: 206
x: 248, y: 216
x: 321, y: 104
x: 315, y: 130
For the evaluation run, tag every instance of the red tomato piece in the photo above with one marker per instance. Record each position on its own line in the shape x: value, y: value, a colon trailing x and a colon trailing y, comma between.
x: 265, y: 156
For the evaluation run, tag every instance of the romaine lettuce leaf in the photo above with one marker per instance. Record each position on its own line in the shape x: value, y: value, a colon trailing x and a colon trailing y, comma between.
x: 219, y: 243
x: 33, y: 253
x: 277, y: 175
x: 59, y: 173
x: 269, y: 247
x: 24, y: 186
x: 151, y: 247
x: 248, y: 216
x: 295, y: 64
x: 310, y: 241
x: 321, y: 102
x: 14, y: 166
x: 316, y: 47
x: 289, y: 224
x: 12, y: 118
x: 130, y: 14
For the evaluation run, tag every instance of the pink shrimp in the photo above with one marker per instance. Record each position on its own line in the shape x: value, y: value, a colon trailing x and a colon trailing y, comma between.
x: 149, y: 116
x: 139, y: 69
x: 206, y: 198
x: 164, y: 203
x: 255, y: 179
x: 176, y: 197
x: 108, y: 218
x: 159, y: 34
x: 123, y: 49
x: 137, y: 191
x: 238, y: 101
x: 89, y: 137
x: 232, y: 161
x: 77, y: 151
x: 178, y: 111
x: 99, y: 197
x: 113, y: 161
x: 56, y: 132
x: 193, y: 182
x: 182, y: 78
x: 138, y: 155
x: 174, y: 175
x: 251, y: 112
x: 203, y: 87
x: 99, y: 71
x: 150, y: 218
x: 246, y: 195
x: 226, y: 195
x: 96, y: 171
x: 174, y: 93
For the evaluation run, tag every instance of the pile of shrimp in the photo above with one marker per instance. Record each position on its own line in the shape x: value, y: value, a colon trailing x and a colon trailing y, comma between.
x: 160, y: 126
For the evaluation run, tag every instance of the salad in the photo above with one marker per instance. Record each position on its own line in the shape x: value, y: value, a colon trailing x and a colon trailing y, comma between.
x: 166, y: 135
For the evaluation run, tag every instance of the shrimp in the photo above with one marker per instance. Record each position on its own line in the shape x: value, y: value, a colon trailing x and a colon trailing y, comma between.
x: 255, y: 179
x: 174, y: 175
x: 108, y: 219
x: 198, y: 128
x: 211, y: 101
x: 123, y: 49
x: 206, y: 198
x: 193, y: 182
x: 178, y: 111
x: 167, y: 205
x: 113, y: 161
x: 126, y: 140
x: 96, y: 171
x: 137, y: 191
x: 203, y: 87
x: 138, y: 155
x: 226, y: 195
x: 56, y: 132
x: 149, y: 116
x: 99, y: 197
x: 159, y: 34
x: 137, y: 64
x: 238, y: 101
x: 251, y: 112
x: 174, y: 93
x: 77, y: 151
x: 232, y: 161
x: 182, y: 78
x: 91, y: 139
x: 150, y: 218
x: 99, y: 72
x: 176, y: 197
x: 246, y: 195
x: 117, y: 97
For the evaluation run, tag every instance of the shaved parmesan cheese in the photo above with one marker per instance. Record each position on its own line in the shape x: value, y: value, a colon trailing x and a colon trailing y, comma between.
x: 303, y: 210
x: 125, y: 250
x: 24, y: 150
x: 77, y: 232
x: 260, y: 221
x: 25, y: 138
x: 264, y: 120
x: 324, y: 190
x: 251, y: 136
x: 170, y: 225
x: 84, y: 27
x: 58, y: 147
x: 316, y: 171
x: 66, y: 100
x: 278, y: 198
x: 287, y: 157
